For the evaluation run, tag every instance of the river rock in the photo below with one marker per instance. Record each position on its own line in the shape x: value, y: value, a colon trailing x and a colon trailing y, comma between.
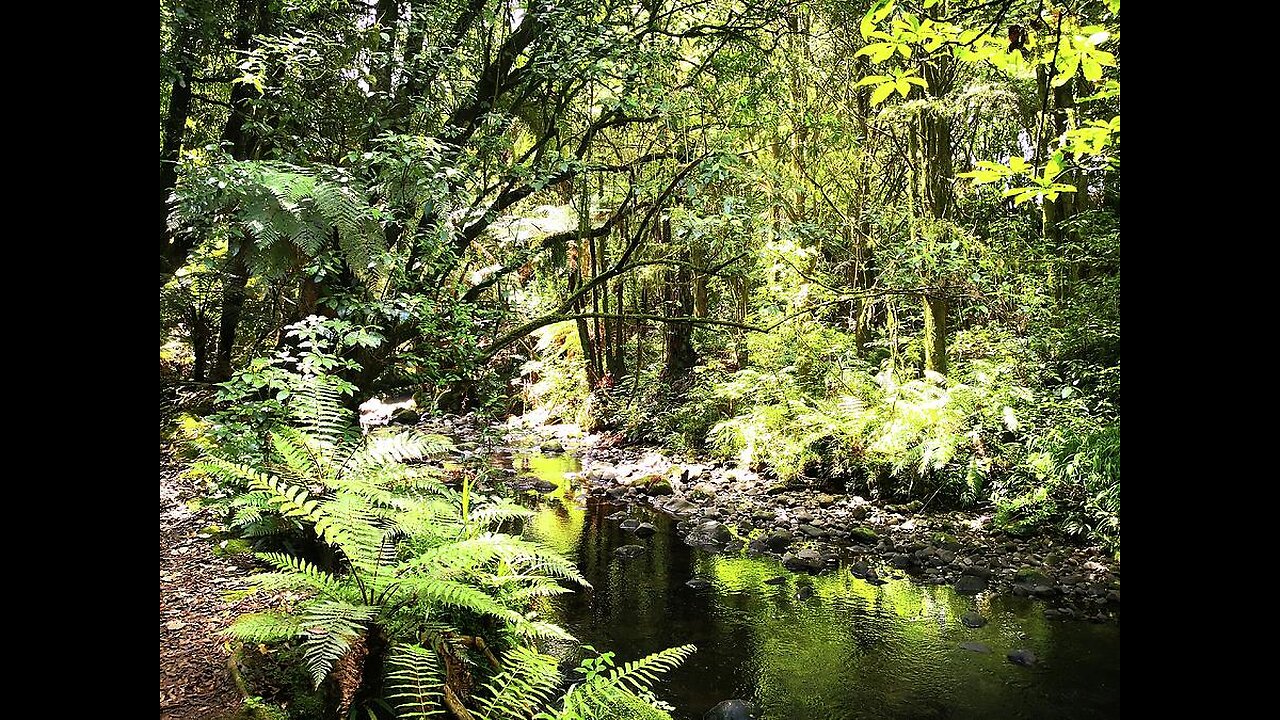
x: 804, y: 592
x: 602, y: 473
x: 975, y: 647
x: 714, y: 531
x: 732, y: 710
x: 812, y: 531
x: 779, y: 580
x: 806, y: 559
x: 825, y: 500
x: 629, y: 524
x: 972, y: 620
x: 970, y: 585
x: 703, y: 491
x: 863, y: 534
x: 1025, y: 658
x: 1028, y: 575
x: 629, y: 551
x: 978, y: 572
x: 777, y: 540
x: 646, y: 529
x: 699, y: 583
x: 859, y: 512
x: 552, y: 446
x: 680, y: 506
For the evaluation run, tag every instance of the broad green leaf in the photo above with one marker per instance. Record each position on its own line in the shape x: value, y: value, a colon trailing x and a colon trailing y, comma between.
x: 878, y: 52
x: 872, y: 80
x: 882, y: 93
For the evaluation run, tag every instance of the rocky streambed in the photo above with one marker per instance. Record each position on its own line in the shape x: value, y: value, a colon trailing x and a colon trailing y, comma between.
x: 724, y: 508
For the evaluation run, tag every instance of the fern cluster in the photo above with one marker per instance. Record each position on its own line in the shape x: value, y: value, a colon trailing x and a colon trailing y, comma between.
x: 403, y: 561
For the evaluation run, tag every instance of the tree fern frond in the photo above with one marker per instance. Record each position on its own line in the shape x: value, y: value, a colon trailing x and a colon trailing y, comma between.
x: 622, y: 686
x: 264, y: 627
x: 329, y: 629
x: 492, y: 515
x: 517, y: 552
x: 306, y: 573
x: 525, y: 685
x: 414, y: 682
x: 456, y: 594
x: 539, y: 630
x: 404, y: 447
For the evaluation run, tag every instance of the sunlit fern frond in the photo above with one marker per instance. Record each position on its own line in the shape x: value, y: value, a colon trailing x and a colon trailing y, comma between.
x: 295, y: 574
x: 621, y: 686
x: 404, y: 446
x: 455, y: 594
x: 329, y: 628
x: 318, y: 409
x: 301, y: 459
x: 494, y: 514
x: 489, y: 547
x: 415, y: 682
x: 264, y: 627
x: 526, y: 684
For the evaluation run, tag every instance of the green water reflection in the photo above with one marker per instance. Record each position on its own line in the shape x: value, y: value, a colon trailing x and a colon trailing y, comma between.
x: 851, y: 650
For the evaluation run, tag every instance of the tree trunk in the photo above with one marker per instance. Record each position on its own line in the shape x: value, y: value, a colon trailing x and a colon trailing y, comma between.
x: 173, y: 252
x: 199, y: 344
x: 679, y: 355
x: 233, y: 285
x: 935, y: 334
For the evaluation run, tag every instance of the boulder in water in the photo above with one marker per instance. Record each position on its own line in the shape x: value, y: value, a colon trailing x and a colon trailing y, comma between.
x: 732, y: 710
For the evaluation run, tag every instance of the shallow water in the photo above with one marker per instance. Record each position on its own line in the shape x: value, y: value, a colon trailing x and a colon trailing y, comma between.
x: 852, y: 650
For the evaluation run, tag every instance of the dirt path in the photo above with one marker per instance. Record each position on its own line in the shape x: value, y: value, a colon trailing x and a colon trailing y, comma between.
x: 195, y: 683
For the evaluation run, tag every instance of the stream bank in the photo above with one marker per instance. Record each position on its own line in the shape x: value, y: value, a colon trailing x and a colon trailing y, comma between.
x: 728, y: 509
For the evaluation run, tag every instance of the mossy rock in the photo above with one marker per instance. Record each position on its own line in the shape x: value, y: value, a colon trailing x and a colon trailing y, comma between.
x: 862, y: 533
x: 653, y: 483
x: 1028, y: 575
x: 946, y: 540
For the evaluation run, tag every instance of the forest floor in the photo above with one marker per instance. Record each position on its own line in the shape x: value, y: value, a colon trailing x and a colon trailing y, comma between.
x: 195, y: 681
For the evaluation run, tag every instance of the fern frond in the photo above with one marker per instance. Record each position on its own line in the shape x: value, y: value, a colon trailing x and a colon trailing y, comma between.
x: 414, y: 682
x: 623, y: 686
x: 299, y: 460
x: 329, y: 629
x: 264, y: 627
x: 296, y: 573
x: 405, y: 446
x: 523, y: 687
x: 516, y: 552
x: 456, y: 594
x: 492, y: 515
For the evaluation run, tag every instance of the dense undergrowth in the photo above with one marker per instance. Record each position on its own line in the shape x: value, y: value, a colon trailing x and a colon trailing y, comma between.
x: 1029, y: 425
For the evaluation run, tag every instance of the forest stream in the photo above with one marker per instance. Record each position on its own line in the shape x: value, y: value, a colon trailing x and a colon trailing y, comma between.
x: 829, y: 646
